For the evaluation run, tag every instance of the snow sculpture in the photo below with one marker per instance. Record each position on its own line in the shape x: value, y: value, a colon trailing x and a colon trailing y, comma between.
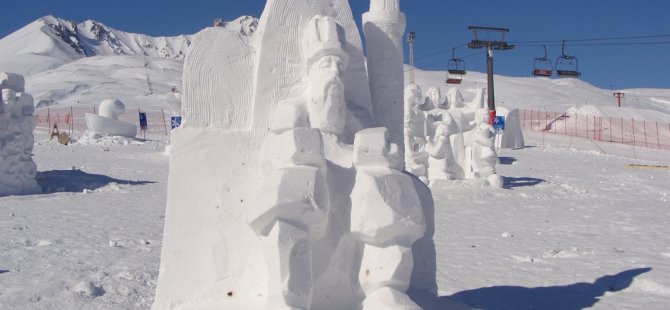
x: 479, y: 101
x: 387, y: 216
x: 442, y: 163
x: 512, y: 136
x: 434, y: 98
x: 384, y: 26
x: 484, y: 157
x: 17, y: 168
x: 416, y: 159
x: 270, y: 225
x: 108, y: 123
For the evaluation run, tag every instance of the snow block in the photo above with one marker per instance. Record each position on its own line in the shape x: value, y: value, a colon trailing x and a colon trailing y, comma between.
x: 295, y: 195
x: 289, y: 266
x: 289, y: 114
x: 389, y: 298
x: 385, y: 208
x: 294, y: 147
x: 385, y: 267
x: 373, y: 148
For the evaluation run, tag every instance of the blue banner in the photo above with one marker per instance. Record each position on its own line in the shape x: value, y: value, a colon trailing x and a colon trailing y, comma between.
x: 175, y: 121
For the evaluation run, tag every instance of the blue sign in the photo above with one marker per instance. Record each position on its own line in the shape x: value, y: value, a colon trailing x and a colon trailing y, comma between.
x: 175, y: 121
x: 143, y: 121
x: 499, y: 123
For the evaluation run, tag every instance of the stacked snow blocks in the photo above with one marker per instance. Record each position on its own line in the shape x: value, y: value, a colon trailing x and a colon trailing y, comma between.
x: 387, y: 217
x: 17, y: 169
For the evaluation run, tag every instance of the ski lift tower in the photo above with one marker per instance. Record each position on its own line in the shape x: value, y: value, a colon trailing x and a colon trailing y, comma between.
x: 410, y: 39
x: 491, y: 39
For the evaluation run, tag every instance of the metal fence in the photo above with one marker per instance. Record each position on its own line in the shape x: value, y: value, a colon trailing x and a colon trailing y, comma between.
x: 73, y: 121
x: 643, y: 133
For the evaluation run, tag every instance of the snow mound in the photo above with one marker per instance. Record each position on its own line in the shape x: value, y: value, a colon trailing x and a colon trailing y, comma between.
x: 589, y: 110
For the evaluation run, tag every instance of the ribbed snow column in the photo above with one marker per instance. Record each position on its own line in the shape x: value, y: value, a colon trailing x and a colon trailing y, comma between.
x: 384, y: 34
x: 217, y: 81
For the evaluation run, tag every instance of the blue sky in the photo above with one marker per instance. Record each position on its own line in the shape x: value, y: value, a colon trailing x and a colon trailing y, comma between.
x: 439, y: 25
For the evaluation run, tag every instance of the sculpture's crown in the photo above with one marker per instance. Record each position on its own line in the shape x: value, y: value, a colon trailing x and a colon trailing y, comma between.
x: 322, y: 38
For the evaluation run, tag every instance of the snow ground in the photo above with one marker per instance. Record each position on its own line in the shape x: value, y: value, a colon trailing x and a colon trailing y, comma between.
x: 574, y: 228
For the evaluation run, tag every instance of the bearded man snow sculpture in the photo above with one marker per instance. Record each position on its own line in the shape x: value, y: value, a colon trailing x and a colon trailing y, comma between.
x: 291, y: 211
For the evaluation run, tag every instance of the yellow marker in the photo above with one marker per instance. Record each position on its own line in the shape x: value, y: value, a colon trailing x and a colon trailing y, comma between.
x: 648, y: 167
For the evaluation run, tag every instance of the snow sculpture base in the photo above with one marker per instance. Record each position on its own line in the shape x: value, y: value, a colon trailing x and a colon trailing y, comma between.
x: 206, y: 234
x: 108, y: 126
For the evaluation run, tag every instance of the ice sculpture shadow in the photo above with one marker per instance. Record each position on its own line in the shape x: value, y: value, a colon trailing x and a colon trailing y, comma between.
x: 567, y: 297
x: 512, y: 182
x: 506, y: 160
x: 76, y: 181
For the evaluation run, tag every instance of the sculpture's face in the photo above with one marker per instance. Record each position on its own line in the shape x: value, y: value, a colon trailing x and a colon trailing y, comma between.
x: 435, y: 96
x: 327, y: 106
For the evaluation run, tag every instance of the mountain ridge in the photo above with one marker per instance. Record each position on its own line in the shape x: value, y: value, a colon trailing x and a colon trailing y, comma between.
x: 50, y: 42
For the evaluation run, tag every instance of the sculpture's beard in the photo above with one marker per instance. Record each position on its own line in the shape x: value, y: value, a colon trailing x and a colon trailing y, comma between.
x: 327, y: 105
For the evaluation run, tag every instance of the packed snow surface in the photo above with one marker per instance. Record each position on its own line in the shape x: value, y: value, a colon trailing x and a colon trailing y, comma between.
x: 573, y: 228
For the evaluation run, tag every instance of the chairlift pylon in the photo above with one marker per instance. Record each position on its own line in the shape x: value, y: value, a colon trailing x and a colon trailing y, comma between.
x: 566, y: 65
x: 455, y: 69
x: 542, y: 66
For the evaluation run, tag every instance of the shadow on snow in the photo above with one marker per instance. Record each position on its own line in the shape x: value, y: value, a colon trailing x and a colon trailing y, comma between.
x: 566, y: 297
x: 73, y: 181
x: 512, y: 182
x: 506, y: 160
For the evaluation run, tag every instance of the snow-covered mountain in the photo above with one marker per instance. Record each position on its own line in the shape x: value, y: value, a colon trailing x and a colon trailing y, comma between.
x: 68, y: 64
x: 51, y: 42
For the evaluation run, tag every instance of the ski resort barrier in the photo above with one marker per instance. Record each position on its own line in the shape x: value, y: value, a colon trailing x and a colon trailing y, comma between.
x: 73, y: 120
x: 642, y: 133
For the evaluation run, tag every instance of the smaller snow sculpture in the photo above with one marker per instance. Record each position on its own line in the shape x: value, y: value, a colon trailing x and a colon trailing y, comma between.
x: 484, y: 157
x: 108, y: 123
x: 387, y: 217
x: 511, y: 136
x: 17, y: 168
x: 416, y: 159
x: 441, y: 162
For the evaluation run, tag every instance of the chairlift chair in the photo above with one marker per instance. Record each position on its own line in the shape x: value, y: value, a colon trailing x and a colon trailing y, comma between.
x: 566, y: 65
x: 455, y: 69
x: 542, y: 66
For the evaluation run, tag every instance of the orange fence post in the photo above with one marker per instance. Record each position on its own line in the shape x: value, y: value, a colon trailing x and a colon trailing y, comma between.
x: 633, y: 122
x: 658, y: 139
x: 644, y: 125
x: 164, y: 124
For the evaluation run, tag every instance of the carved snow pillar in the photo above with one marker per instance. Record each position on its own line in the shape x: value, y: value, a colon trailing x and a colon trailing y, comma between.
x: 16, y: 134
x: 384, y: 26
